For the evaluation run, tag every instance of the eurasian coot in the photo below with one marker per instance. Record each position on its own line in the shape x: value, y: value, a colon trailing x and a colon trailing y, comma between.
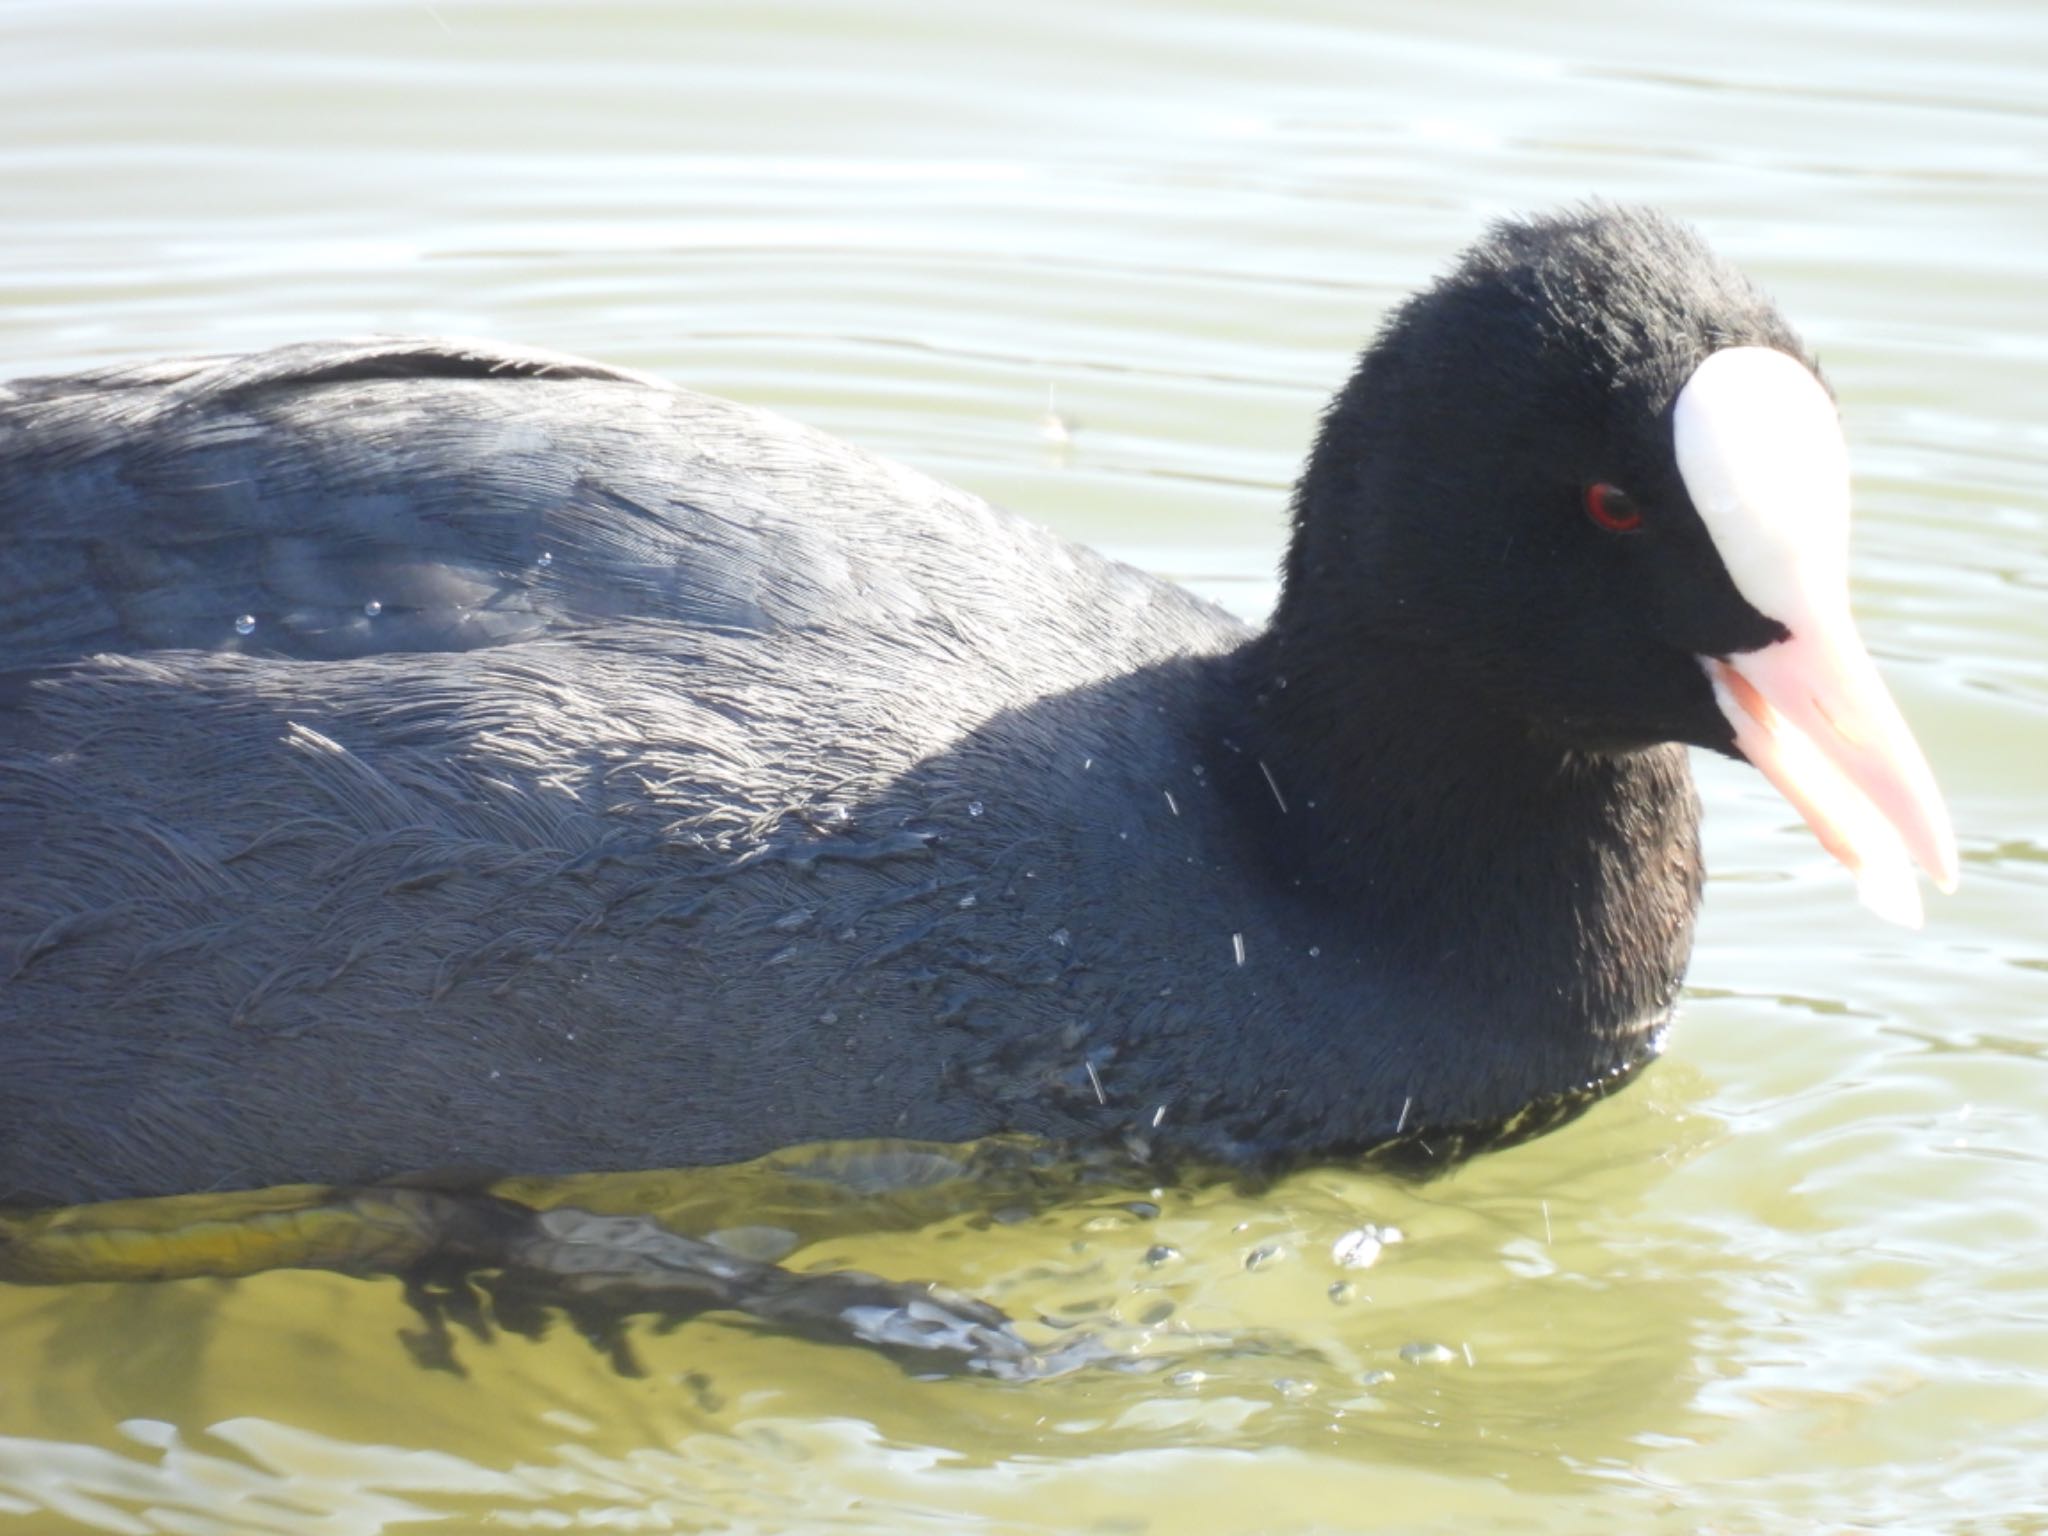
x: 419, y: 753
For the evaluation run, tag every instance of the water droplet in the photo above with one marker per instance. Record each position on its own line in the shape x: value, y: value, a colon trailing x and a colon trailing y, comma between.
x: 1421, y: 1352
x: 246, y: 624
x: 1279, y: 682
x: 545, y: 559
x: 968, y: 900
x: 1061, y: 937
x: 1156, y: 1314
x: 1342, y: 1292
x: 1264, y: 1254
x: 1187, y: 1378
x: 1315, y: 951
x: 372, y: 608
x: 974, y: 807
x: 1359, y: 1249
x: 1161, y: 1253
x: 1237, y: 947
x: 1294, y: 1389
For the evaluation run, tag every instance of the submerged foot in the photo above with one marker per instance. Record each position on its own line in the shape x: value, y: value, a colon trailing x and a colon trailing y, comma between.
x: 480, y: 1261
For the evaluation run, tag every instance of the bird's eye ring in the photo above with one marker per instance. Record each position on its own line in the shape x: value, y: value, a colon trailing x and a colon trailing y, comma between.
x: 1612, y: 508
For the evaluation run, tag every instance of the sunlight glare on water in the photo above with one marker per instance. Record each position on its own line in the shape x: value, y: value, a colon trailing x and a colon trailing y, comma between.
x: 1796, y: 1276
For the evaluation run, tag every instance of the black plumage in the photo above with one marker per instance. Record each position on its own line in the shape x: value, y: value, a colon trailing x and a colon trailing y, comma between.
x: 415, y: 753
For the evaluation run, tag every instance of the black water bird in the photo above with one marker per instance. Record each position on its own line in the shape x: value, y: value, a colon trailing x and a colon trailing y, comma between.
x: 416, y: 753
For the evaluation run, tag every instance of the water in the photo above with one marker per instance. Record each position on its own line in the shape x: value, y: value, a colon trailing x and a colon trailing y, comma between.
x: 1104, y: 264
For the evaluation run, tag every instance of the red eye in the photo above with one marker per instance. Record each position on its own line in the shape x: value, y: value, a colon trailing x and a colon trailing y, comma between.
x: 1613, y: 508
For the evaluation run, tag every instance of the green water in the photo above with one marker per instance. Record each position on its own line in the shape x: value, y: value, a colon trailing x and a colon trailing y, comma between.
x: 1795, y: 1278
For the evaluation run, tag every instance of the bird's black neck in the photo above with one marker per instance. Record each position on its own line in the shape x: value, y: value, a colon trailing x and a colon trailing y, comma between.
x: 1513, y: 905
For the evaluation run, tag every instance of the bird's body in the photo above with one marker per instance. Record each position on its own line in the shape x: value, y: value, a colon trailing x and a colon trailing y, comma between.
x: 416, y: 754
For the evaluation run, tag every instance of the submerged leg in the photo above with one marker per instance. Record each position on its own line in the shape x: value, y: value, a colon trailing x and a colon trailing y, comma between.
x: 455, y: 1247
